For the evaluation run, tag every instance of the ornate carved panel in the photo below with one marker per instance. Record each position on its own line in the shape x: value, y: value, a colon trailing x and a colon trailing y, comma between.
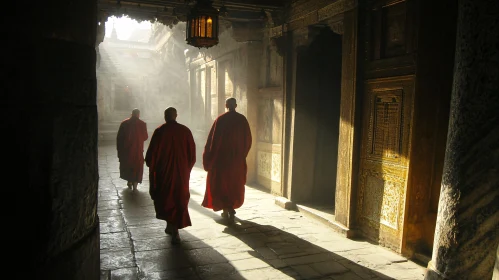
x: 371, y: 202
x: 276, y: 167
x: 269, y: 132
x: 276, y: 31
x: 384, y: 159
x: 265, y: 120
x: 277, y: 121
x: 269, y: 165
x: 384, y: 135
x: 317, y: 12
x: 331, y: 10
x: 393, y: 30
x: 390, y: 38
x: 264, y: 164
x: 381, y: 201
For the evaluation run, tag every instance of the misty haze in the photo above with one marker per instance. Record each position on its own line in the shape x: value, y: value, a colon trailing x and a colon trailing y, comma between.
x: 140, y: 65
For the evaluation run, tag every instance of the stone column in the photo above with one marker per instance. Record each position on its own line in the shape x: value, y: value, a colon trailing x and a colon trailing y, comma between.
x: 49, y: 117
x: 467, y: 229
x: 250, y: 33
x: 350, y: 130
x: 495, y: 275
x: 253, y: 52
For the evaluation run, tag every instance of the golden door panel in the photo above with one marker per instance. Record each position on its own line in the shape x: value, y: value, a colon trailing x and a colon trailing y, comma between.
x: 384, y: 159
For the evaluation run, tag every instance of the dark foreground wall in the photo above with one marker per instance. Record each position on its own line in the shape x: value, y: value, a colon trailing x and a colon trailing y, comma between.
x: 49, y: 132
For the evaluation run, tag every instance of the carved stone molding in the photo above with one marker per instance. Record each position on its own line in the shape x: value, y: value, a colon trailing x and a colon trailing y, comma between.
x: 278, y: 44
x: 303, y: 37
x: 244, y: 32
x: 350, y: 5
x: 331, y: 10
x: 277, y: 38
x: 322, y: 15
x: 276, y: 31
x: 336, y: 26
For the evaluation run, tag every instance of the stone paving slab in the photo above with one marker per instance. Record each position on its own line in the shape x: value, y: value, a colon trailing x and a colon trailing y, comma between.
x: 266, y: 242
x: 124, y: 273
x: 116, y: 259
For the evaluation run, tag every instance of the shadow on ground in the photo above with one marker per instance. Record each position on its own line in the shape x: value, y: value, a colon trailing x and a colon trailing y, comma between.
x: 137, y: 248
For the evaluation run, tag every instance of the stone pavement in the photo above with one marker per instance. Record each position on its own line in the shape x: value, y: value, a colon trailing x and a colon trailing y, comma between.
x: 267, y: 241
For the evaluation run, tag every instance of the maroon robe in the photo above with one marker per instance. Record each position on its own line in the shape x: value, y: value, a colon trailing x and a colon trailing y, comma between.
x: 170, y: 158
x: 224, y: 158
x: 130, y: 145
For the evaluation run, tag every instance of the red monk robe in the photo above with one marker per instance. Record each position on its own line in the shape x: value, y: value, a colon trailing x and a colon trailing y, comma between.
x: 224, y: 158
x: 130, y: 145
x: 170, y: 158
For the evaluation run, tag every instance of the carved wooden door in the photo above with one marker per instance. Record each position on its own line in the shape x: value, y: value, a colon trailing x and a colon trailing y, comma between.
x: 384, y: 159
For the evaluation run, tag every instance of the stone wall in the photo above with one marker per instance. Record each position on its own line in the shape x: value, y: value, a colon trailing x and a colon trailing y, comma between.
x: 250, y: 71
x: 150, y: 77
x: 51, y: 118
x: 214, y: 75
x: 270, y: 114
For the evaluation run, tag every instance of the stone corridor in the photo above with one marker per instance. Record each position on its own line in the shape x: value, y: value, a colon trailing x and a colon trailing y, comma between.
x: 267, y: 242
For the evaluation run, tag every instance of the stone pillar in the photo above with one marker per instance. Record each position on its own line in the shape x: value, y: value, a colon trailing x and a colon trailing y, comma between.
x: 250, y: 33
x: 253, y: 52
x: 467, y: 229
x: 350, y: 130
x: 495, y: 275
x: 49, y: 117
x: 289, y: 61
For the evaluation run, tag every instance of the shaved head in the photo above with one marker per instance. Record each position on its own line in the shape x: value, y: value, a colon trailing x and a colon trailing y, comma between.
x: 136, y: 113
x: 170, y: 114
x: 230, y: 103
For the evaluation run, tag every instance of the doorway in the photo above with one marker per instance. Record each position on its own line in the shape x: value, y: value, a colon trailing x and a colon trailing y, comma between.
x: 325, y: 53
x: 318, y: 94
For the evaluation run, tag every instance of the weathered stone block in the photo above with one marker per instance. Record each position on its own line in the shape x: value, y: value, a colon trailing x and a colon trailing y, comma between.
x: 285, y: 203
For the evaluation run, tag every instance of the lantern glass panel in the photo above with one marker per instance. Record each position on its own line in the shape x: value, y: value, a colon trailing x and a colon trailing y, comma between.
x: 193, y: 27
x: 209, y: 27
x: 196, y: 33
x: 202, y: 26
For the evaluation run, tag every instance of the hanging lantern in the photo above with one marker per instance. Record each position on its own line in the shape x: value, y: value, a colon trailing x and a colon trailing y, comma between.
x: 202, y: 25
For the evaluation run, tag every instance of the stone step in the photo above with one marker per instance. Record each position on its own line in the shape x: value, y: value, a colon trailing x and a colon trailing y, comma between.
x: 110, y: 135
x: 116, y: 126
x: 109, y: 126
x: 319, y: 212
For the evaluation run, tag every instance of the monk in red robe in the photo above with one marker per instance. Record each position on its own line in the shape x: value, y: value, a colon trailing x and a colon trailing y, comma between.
x: 170, y: 158
x: 130, y: 145
x: 224, y: 158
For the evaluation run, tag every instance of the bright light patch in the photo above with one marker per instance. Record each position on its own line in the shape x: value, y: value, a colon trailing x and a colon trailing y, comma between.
x: 125, y: 26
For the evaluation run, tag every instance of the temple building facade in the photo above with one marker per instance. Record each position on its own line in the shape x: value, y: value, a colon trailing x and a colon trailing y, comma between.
x: 355, y: 98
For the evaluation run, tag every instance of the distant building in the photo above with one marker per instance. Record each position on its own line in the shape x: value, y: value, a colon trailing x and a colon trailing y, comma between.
x: 137, y: 73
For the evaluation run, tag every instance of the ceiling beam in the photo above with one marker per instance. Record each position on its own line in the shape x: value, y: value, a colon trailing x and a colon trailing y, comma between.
x: 247, y: 5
